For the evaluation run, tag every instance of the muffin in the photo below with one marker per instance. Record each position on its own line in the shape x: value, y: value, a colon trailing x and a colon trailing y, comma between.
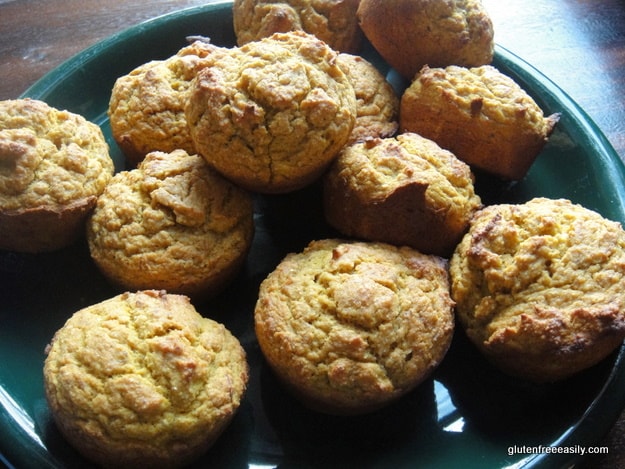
x: 409, y: 34
x: 332, y: 21
x: 172, y: 223
x: 350, y: 327
x: 377, y: 104
x: 481, y: 115
x: 53, y: 166
x: 273, y: 114
x: 404, y: 190
x: 540, y: 287
x: 146, y: 108
x: 142, y: 380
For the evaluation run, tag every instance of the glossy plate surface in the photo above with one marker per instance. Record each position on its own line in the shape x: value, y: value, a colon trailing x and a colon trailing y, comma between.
x: 467, y: 415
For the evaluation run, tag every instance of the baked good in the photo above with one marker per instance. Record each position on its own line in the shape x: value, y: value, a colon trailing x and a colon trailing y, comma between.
x: 409, y: 34
x: 172, y: 223
x: 480, y: 114
x: 146, y: 108
x: 53, y: 166
x: 142, y: 380
x: 402, y: 190
x: 350, y: 327
x: 272, y: 114
x: 377, y: 104
x: 332, y: 21
x: 540, y: 287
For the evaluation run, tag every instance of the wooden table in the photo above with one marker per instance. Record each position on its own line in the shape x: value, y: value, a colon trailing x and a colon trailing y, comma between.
x: 579, y: 44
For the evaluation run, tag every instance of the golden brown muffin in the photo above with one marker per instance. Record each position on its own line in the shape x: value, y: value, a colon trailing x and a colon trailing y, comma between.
x: 404, y: 190
x: 142, y: 380
x: 540, y: 287
x: 332, y: 21
x: 273, y: 114
x: 481, y: 115
x: 377, y: 105
x: 172, y: 223
x: 409, y: 34
x: 53, y: 166
x: 146, y: 109
x: 350, y: 327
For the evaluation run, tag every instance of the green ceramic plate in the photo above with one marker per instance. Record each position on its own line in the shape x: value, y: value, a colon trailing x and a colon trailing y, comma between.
x: 467, y: 415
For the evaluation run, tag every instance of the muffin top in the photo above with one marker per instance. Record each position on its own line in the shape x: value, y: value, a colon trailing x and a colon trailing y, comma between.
x: 49, y: 157
x: 354, y: 324
x: 480, y: 91
x: 543, y: 253
x: 144, y: 369
x: 334, y: 22
x: 272, y: 114
x: 376, y: 168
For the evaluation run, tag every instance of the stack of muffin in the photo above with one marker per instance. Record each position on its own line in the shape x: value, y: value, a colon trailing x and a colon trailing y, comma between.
x: 348, y: 325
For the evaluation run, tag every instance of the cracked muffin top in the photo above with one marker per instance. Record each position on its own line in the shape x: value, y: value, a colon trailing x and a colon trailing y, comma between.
x: 540, y: 286
x: 49, y: 157
x: 272, y: 114
x: 332, y: 21
x: 143, y: 379
x: 351, y: 326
